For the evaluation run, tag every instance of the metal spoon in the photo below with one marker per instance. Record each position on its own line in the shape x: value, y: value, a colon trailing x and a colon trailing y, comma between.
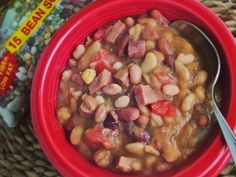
x: 200, y: 40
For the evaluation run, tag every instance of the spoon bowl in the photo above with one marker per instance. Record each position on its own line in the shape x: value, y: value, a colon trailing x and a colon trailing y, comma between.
x: 212, y: 62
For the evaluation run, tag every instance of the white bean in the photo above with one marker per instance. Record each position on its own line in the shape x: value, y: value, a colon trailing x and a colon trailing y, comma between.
x: 150, y: 149
x: 149, y: 45
x: 160, y: 56
x: 117, y: 65
x: 76, y: 135
x: 135, y: 148
x: 185, y: 58
x: 135, y: 74
x: 78, y: 52
x: 63, y: 115
x: 101, y: 113
x: 170, y: 89
x: 122, y: 102
x: 135, y: 32
x: 200, y: 93
x: 149, y: 62
x: 144, y: 110
x: 156, y: 120
x: 91, y: 50
x: 200, y: 78
x: 103, y: 158
x: 188, y: 102
x: 112, y: 89
x: 66, y: 75
x: 181, y: 71
x: 99, y: 99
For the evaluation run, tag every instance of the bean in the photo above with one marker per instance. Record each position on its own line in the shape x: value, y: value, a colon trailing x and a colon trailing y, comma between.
x: 135, y: 32
x: 160, y: 56
x: 147, y: 21
x: 185, y: 58
x: 181, y: 71
x: 101, y: 113
x: 103, y: 158
x: 170, y: 152
x: 170, y: 89
x: 156, y: 120
x: 73, y: 104
x: 63, y: 115
x: 203, y: 121
x: 135, y: 148
x: 149, y: 62
x: 88, y: 76
x: 122, y: 102
x: 143, y: 120
x: 135, y: 74
x: 117, y: 65
x: 200, y: 78
x: 76, y: 135
x: 188, y: 102
x: 78, y: 52
x: 72, y: 63
x: 112, y: 89
x: 200, y: 93
x: 182, y: 94
x: 136, y: 165
x: 151, y: 150
x: 147, y: 78
x: 150, y: 45
x: 91, y: 50
x: 99, y: 99
x: 89, y: 104
x: 149, y: 161
x: 164, y: 47
x: 129, y: 21
x: 66, y: 75
x: 144, y: 110
x: 168, y: 35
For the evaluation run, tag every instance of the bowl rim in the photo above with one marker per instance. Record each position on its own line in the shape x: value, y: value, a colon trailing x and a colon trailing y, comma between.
x: 38, y: 115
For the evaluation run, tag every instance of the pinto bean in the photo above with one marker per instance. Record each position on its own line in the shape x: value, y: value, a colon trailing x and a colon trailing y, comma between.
x: 122, y: 102
x: 63, y: 115
x: 143, y: 120
x: 135, y: 74
x: 164, y: 47
x: 103, y: 158
x: 170, y: 89
x: 112, y: 89
x: 203, y: 121
x: 79, y: 51
x: 188, y: 102
x: 149, y: 62
x: 181, y: 71
x: 101, y: 113
x: 76, y: 135
x: 200, y: 78
x: 135, y: 148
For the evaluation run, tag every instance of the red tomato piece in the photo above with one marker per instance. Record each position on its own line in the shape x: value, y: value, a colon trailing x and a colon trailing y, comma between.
x: 164, y: 108
x: 103, y: 59
x: 100, y: 137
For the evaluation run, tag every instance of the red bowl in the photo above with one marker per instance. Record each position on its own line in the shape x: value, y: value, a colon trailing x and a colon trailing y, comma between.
x: 208, y: 160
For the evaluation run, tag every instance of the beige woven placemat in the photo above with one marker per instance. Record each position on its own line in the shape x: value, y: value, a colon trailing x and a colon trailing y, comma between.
x: 20, y: 153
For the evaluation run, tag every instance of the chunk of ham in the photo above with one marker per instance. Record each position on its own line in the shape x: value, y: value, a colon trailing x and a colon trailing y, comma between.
x: 122, y: 46
x: 128, y: 113
x: 100, y: 81
x: 116, y: 31
x: 144, y: 95
x: 149, y: 32
x: 136, y: 49
x: 128, y: 164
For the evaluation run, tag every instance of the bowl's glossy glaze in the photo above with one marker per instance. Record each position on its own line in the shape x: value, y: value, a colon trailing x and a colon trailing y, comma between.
x: 208, y: 160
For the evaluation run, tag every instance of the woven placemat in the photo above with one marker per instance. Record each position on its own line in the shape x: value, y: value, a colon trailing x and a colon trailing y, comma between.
x: 20, y: 153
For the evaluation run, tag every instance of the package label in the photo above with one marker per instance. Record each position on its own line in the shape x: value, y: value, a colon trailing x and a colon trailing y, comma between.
x: 18, y: 39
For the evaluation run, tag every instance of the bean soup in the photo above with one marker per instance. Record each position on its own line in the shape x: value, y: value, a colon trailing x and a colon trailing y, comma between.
x: 132, y: 98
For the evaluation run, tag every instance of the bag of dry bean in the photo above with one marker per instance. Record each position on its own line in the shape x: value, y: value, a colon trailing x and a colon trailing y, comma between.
x: 26, y: 27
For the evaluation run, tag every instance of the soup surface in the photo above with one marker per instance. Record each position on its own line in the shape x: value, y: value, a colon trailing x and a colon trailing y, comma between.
x: 132, y: 98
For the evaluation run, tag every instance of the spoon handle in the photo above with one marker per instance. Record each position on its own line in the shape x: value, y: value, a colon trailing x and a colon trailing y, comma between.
x: 229, y: 136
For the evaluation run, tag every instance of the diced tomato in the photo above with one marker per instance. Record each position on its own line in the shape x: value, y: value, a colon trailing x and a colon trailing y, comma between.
x: 96, y: 137
x: 164, y: 108
x: 103, y: 59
